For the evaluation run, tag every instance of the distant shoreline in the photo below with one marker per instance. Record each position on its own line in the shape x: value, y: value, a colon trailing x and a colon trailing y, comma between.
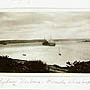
x: 40, y: 40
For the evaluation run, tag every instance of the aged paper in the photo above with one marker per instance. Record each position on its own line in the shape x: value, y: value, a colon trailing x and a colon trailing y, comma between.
x: 23, y: 23
x: 44, y: 4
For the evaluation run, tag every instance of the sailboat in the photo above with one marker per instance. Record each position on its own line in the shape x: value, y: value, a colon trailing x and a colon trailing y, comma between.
x: 59, y: 52
x: 48, y: 42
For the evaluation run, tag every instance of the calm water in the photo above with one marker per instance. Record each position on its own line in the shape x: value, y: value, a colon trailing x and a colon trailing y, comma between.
x: 70, y: 51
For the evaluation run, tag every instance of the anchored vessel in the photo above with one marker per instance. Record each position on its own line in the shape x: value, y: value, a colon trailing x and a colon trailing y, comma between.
x: 48, y: 43
x: 59, y: 52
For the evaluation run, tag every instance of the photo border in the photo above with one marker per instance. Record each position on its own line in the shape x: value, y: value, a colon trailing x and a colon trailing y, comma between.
x: 47, y: 75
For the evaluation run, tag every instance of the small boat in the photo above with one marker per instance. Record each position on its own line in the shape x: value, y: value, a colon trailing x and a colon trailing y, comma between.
x: 24, y: 54
x: 59, y: 54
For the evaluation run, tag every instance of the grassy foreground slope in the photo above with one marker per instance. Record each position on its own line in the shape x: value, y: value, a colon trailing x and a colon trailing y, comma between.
x: 9, y: 65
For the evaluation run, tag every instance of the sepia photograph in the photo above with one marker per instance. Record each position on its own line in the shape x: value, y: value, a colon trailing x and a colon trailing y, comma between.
x: 45, y: 42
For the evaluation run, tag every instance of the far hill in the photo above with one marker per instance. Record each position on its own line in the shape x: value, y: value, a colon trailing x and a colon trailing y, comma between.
x: 40, y: 40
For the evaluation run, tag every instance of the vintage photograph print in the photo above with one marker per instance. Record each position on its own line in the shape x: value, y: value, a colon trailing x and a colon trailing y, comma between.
x: 45, y: 42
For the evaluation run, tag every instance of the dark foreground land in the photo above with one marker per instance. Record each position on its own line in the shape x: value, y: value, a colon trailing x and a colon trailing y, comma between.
x: 9, y: 65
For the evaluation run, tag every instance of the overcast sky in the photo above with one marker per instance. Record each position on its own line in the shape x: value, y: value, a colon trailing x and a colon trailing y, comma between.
x: 37, y: 25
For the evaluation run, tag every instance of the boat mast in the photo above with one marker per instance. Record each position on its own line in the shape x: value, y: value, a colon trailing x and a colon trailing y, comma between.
x: 59, y: 51
x: 51, y: 38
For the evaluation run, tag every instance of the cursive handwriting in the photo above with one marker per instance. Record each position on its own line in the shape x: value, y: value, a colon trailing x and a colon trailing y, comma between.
x: 30, y: 81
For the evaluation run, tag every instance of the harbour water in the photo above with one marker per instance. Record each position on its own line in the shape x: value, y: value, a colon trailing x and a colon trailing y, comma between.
x: 70, y: 51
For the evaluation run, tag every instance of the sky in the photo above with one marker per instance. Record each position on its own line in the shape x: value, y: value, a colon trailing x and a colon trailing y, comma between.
x: 40, y: 25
